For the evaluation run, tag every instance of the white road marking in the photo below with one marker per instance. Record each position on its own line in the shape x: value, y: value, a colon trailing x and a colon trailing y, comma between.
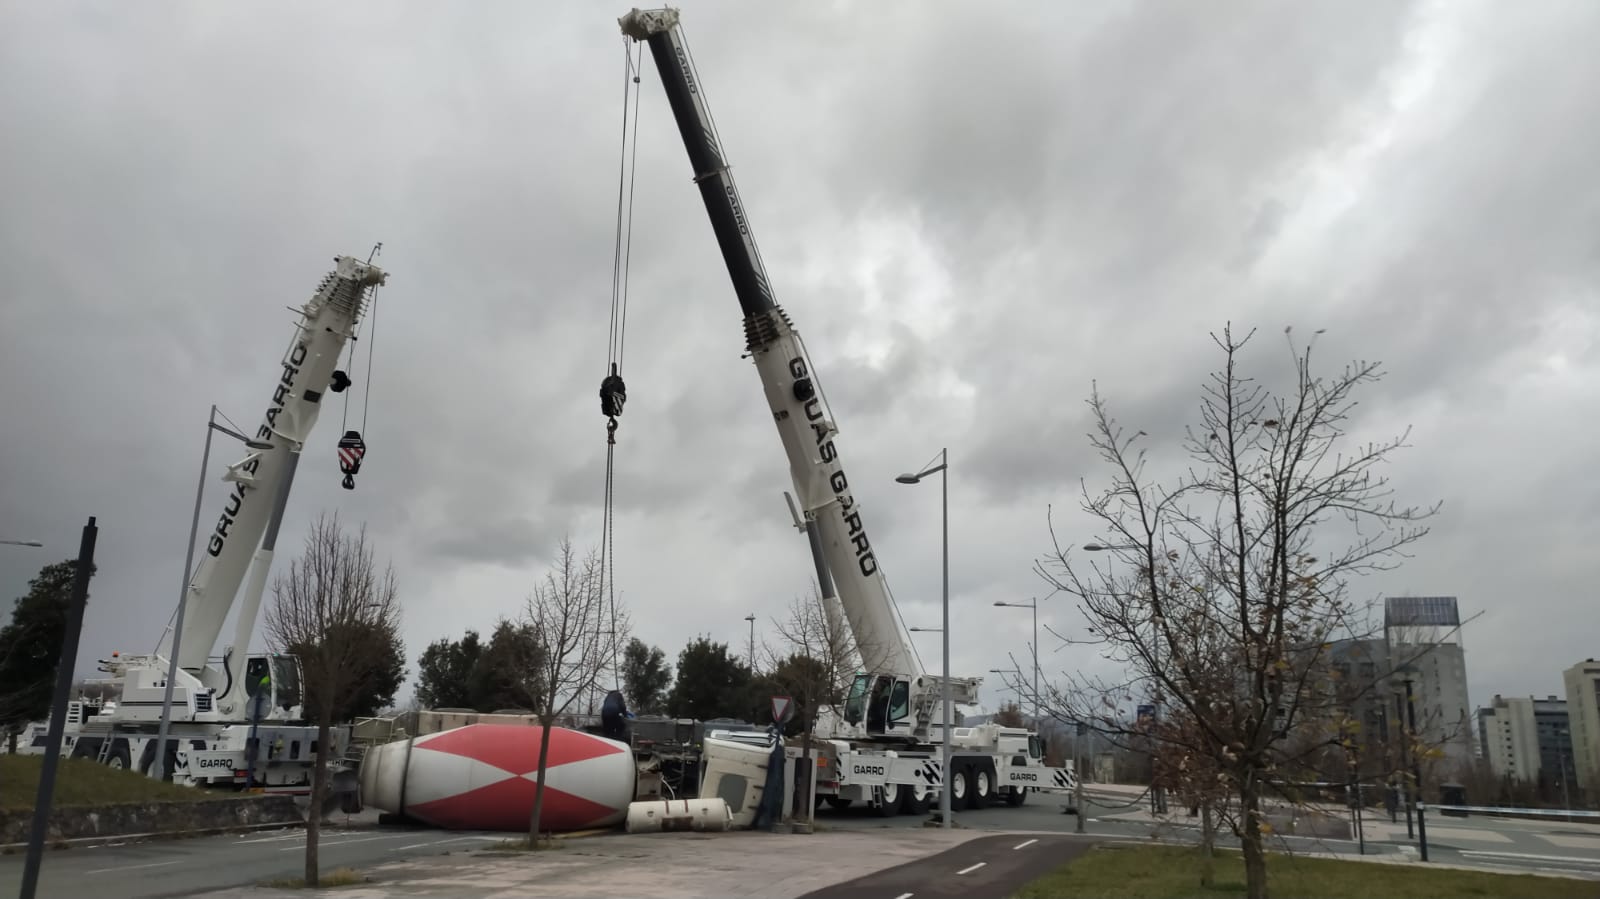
x: 279, y: 838
x: 1574, y: 859
x: 903, y: 896
x: 971, y: 869
x: 1022, y: 845
x: 133, y: 867
x: 330, y: 843
x: 440, y: 842
x: 1573, y: 841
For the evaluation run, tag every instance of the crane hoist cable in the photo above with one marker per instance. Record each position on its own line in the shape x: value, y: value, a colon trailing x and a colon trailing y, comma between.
x: 352, y: 448
x: 613, y: 392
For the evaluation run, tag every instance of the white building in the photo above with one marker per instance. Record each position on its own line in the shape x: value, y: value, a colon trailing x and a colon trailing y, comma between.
x: 1423, y: 634
x: 1583, y: 717
x: 1519, y: 737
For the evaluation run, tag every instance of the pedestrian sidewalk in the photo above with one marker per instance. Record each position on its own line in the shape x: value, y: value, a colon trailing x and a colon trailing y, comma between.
x: 752, y: 864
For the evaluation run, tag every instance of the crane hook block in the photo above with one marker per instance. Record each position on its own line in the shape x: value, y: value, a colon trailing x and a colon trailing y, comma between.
x: 613, y: 393
x: 351, y: 449
x: 340, y: 381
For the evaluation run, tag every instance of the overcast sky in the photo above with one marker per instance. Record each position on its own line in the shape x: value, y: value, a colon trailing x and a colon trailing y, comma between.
x: 970, y: 212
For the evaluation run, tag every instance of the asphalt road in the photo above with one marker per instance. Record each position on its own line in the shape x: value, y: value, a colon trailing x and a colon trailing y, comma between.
x: 987, y: 866
x: 1512, y: 845
x: 182, y: 867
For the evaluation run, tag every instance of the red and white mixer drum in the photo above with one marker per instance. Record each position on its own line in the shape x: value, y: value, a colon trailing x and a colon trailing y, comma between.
x: 483, y: 777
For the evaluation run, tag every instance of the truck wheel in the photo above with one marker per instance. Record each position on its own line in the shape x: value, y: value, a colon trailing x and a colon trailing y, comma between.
x: 960, y: 787
x: 1017, y: 796
x: 915, y: 800
x: 889, y: 798
x: 118, y: 757
x: 983, y: 782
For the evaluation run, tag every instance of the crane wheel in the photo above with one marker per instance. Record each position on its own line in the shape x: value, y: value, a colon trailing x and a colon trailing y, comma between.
x: 914, y: 801
x: 983, y: 781
x: 960, y: 786
x: 890, y: 796
x: 119, y: 757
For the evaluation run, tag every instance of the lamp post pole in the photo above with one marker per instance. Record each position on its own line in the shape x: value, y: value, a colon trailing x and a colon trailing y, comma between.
x: 943, y: 468
x: 159, y: 764
x: 1416, y: 774
x: 1034, y: 605
x: 1158, y: 798
x: 752, y: 619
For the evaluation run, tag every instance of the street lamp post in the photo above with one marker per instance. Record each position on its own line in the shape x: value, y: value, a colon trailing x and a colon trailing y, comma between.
x: 1034, y: 605
x: 159, y: 763
x: 944, y: 745
x: 1158, y: 797
x: 752, y: 619
x: 1416, y: 768
x: 1005, y: 673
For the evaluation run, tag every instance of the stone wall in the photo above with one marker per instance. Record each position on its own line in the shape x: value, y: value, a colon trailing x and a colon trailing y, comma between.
x: 155, y: 818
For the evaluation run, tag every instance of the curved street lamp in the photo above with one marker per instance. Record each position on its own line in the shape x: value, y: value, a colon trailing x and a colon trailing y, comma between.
x: 943, y: 469
x: 159, y: 763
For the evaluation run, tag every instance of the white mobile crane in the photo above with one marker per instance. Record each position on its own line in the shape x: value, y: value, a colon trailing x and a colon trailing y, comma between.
x: 885, y: 750
x: 237, y: 719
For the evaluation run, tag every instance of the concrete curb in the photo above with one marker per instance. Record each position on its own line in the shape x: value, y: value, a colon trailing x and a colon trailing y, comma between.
x: 104, y: 839
x: 87, y: 825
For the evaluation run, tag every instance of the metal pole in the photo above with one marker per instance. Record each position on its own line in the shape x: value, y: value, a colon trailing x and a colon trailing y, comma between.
x: 1416, y: 772
x: 158, y: 769
x: 752, y: 619
x: 58, y: 710
x: 1405, y: 739
x: 1566, y: 799
x: 944, y: 746
x: 1077, y: 771
x: 1036, y: 711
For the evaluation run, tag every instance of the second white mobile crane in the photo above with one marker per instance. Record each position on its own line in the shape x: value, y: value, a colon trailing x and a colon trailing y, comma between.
x: 237, y: 720
x: 884, y: 749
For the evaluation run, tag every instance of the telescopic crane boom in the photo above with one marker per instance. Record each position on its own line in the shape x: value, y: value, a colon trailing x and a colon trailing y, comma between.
x: 799, y: 408
x: 239, y: 720
x: 307, y: 371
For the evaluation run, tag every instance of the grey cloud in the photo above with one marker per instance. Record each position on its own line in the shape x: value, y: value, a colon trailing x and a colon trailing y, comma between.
x: 1102, y: 184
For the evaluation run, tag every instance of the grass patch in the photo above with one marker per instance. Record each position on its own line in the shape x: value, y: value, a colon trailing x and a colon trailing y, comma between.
x: 1170, y: 872
x: 338, y: 877
x: 82, y: 782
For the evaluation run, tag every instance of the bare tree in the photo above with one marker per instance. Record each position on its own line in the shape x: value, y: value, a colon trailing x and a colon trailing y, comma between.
x: 1238, y: 582
x: 815, y: 630
x: 571, y: 623
x: 325, y: 609
x: 817, y: 665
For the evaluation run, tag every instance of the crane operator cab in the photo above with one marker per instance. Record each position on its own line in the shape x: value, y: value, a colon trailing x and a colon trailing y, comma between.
x: 275, y: 678
x: 883, y: 700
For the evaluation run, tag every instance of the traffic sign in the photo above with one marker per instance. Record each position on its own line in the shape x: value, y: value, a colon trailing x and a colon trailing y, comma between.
x: 782, y: 707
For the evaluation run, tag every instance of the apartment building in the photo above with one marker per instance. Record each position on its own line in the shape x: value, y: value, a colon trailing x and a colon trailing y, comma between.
x: 1422, y: 635
x: 1526, y: 738
x: 1583, y: 715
